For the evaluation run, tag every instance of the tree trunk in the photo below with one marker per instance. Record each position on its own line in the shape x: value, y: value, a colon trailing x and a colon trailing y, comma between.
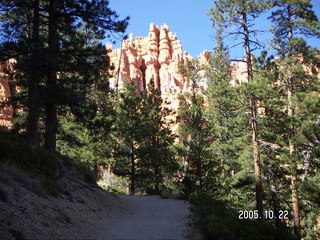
x: 254, y: 127
x: 96, y: 171
x: 294, y: 179
x: 157, y: 183
x: 51, y: 106
x: 295, y: 204
x: 156, y: 163
x: 133, y: 172
x: 34, y: 79
x: 274, y: 197
x: 51, y: 127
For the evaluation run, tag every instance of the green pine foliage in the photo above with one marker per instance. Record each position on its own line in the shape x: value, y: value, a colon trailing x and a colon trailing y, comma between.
x: 237, y: 18
x: 19, y: 152
x: 234, y: 137
x: 127, y: 134
x: 79, y: 60
x: 61, y: 74
x: 228, y: 123
x: 219, y: 220
x: 156, y: 153
x: 292, y: 21
x: 200, y: 165
x: 143, y: 143
x: 278, y: 130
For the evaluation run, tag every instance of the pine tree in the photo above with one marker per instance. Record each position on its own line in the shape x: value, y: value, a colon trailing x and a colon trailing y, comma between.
x: 157, y: 156
x: 143, y: 150
x: 128, y: 135
x: 293, y: 19
x: 35, y: 75
x: 60, y: 23
x: 85, y: 134
x: 97, y: 18
x: 192, y: 129
x: 272, y: 127
x: 23, y: 40
x: 51, y: 106
x: 227, y: 121
x: 240, y: 14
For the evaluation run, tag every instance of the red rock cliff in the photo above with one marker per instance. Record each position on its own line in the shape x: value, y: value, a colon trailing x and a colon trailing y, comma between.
x: 156, y: 57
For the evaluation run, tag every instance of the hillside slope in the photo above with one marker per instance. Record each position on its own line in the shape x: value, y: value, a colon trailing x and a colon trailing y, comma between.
x: 27, y: 212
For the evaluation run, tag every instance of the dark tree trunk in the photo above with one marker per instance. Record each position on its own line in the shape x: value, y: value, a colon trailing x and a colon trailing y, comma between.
x: 133, y: 171
x: 254, y: 127
x: 294, y: 179
x: 51, y: 127
x: 275, y: 199
x: 96, y: 171
x: 157, y: 175
x: 157, y: 172
x: 34, y: 79
x: 51, y: 106
x: 296, y: 209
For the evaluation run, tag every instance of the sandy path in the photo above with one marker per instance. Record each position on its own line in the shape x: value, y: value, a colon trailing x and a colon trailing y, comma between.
x: 148, y: 218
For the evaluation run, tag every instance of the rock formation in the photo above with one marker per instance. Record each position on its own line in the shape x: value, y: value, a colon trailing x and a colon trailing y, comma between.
x: 6, y: 113
x: 156, y: 57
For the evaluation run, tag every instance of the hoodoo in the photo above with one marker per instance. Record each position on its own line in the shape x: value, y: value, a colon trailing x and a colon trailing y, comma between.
x: 156, y: 57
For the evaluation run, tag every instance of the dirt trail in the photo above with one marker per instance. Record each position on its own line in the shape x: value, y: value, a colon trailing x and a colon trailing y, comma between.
x: 148, y: 218
x: 84, y: 211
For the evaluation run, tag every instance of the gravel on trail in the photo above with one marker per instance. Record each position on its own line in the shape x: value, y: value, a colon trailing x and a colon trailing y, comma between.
x: 148, y: 218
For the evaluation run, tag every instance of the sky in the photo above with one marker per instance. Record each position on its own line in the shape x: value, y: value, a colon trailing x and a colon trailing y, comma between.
x: 186, y: 18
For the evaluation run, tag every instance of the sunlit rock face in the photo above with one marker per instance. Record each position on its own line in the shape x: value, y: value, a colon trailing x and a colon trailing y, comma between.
x: 156, y: 57
x: 6, y: 112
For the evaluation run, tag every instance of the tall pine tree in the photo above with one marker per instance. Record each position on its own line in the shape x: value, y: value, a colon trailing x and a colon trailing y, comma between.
x: 157, y: 155
x: 227, y: 122
x: 240, y: 15
x: 143, y: 150
x: 193, y: 130
x: 293, y: 19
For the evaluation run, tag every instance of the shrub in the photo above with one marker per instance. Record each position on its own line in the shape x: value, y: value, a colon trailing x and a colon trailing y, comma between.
x: 17, y: 151
x: 218, y: 220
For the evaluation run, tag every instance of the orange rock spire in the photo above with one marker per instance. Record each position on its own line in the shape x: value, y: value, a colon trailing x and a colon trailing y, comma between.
x: 156, y: 57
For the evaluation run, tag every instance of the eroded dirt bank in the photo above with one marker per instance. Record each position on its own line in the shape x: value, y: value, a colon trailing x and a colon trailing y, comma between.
x: 27, y: 212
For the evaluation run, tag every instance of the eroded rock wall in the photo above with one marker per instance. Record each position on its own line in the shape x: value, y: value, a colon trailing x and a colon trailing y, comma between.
x: 156, y: 57
x: 6, y: 112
